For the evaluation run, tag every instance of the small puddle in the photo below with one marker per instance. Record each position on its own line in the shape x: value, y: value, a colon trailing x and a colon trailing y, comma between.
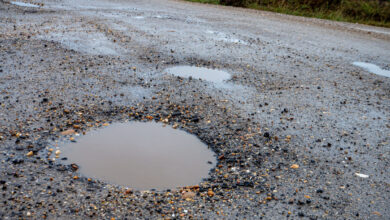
x: 373, y: 68
x: 141, y: 155
x: 23, y: 4
x: 92, y: 42
x: 216, y: 76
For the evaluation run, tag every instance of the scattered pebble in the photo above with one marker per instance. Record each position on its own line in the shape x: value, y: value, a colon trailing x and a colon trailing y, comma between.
x: 294, y: 166
x: 361, y: 175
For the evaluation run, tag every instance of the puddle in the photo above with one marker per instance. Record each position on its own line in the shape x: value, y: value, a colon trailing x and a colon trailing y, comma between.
x: 216, y: 76
x: 141, y: 156
x: 87, y: 42
x: 373, y: 68
x: 23, y: 4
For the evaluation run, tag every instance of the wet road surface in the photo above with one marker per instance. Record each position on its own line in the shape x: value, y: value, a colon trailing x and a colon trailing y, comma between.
x: 298, y: 130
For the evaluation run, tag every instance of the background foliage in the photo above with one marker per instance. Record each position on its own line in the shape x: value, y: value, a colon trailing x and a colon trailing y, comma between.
x: 374, y: 12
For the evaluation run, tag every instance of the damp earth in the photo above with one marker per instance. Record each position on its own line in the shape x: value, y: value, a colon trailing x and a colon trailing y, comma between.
x: 141, y: 155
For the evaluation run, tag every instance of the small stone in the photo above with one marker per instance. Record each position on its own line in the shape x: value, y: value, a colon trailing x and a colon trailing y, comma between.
x: 57, y: 152
x: 361, y: 175
x: 68, y: 132
x: 377, y: 213
x: 194, y: 187
x: 210, y: 193
x: 294, y: 166
x: 188, y: 195
x: 74, y: 166
x: 195, y: 119
x: 29, y: 154
x: 17, y: 161
x: 149, y: 117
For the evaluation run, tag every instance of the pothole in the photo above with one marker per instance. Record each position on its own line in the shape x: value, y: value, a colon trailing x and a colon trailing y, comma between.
x: 95, y: 43
x: 373, y: 68
x: 24, y: 4
x: 212, y: 75
x: 141, y: 155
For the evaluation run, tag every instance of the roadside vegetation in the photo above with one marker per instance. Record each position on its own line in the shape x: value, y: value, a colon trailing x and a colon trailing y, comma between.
x: 372, y: 12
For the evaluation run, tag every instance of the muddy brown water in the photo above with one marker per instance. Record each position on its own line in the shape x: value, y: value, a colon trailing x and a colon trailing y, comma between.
x: 141, y: 156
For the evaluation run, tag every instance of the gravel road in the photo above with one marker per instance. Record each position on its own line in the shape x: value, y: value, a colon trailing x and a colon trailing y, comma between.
x: 299, y: 131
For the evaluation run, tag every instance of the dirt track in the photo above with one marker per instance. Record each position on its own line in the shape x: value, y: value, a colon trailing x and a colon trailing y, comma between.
x: 294, y: 98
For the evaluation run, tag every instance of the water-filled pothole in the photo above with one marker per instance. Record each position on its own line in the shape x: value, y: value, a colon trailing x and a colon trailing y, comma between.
x: 141, y: 156
x: 212, y: 75
x: 24, y: 4
x: 373, y: 68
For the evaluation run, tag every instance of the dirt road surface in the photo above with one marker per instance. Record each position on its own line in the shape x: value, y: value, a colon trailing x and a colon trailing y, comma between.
x: 298, y: 130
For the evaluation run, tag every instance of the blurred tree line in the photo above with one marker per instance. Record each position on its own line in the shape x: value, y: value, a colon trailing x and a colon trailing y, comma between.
x: 374, y: 10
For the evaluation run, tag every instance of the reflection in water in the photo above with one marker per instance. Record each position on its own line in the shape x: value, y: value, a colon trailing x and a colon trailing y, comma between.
x: 141, y: 155
x: 216, y: 76
x: 373, y: 68
x: 23, y: 4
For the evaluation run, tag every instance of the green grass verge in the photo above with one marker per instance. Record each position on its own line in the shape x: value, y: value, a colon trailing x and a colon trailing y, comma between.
x: 371, y: 12
x: 206, y: 1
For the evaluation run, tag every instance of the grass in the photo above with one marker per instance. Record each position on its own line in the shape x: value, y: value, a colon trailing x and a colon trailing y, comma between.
x: 206, y: 1
x: 371, y: 12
